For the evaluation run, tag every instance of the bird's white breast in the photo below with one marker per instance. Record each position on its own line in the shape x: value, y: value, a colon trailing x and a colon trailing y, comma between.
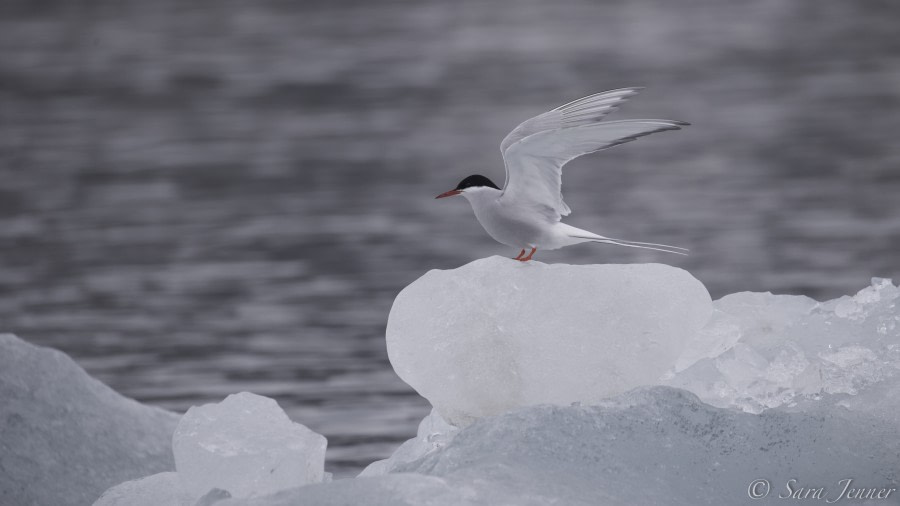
x: 510, y: 225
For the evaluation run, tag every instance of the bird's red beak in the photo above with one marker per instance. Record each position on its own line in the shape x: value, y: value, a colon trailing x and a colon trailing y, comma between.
x: 448, y: 194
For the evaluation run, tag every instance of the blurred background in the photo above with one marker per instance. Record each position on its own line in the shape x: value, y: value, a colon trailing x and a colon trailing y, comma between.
x: 199, y: 198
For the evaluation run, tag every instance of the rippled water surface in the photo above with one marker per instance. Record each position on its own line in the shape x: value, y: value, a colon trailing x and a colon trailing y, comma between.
x: 206, y: 197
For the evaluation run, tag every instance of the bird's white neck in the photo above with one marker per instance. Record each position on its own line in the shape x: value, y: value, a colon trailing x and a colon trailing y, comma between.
x: 481, y: 195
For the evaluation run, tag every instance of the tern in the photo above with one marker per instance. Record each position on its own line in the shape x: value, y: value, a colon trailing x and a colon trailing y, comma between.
x: 527, y: 212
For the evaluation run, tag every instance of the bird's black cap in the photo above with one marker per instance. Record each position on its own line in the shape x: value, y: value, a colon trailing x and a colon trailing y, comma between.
x: 475, y: 181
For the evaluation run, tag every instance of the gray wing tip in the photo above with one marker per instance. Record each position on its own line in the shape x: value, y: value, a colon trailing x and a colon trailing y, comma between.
x: 667, y: 124
x: 662, y: 126
x: 631, y: 90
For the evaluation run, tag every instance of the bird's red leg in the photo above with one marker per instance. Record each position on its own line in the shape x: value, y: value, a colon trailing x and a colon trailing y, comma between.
x: 529, y: 255
x: 520, y: 255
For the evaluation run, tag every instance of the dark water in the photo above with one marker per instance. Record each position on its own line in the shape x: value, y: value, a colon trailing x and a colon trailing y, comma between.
x: 200, y: 198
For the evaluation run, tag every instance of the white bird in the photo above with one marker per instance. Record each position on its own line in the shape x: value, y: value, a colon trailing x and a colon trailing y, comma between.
x: 526, y: 212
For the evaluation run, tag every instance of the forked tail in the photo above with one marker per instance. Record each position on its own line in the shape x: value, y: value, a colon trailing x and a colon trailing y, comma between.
x: 643, y: 245
x: 584, y: 235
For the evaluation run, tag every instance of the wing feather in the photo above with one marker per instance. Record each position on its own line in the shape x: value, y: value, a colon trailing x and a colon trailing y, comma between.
x: 582, y: 111
x: 534, y: 163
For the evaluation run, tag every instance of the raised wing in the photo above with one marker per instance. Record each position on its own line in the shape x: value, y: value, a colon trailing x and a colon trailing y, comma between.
x: 583, y: 111
x: 536, y: 150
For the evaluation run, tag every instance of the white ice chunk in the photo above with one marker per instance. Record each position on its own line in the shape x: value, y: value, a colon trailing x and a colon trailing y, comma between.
x: 247, y: 446
x: 64, y: 436
x: 496, y: 333
x: 434, y: 433
x: 160, y: 489
x: 763, y: 350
